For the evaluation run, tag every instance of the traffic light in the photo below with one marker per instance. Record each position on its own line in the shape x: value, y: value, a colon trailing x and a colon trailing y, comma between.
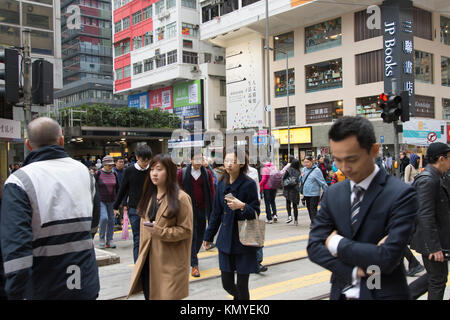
x: 10, y: 74
x: 42, y: 88
x: 391, y: 106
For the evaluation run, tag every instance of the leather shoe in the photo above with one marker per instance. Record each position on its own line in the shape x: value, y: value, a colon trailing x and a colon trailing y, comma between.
x: 195, y: 272
x: 414, y: 270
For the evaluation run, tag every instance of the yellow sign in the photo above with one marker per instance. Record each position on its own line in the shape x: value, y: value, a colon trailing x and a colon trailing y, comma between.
x: 298, y: 135
x: 295, y: 3
x: 115, y: 154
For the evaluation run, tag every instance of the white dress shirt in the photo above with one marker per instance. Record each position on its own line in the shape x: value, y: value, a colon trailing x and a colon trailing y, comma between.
x: 353, y: 292
x: 196, y: 173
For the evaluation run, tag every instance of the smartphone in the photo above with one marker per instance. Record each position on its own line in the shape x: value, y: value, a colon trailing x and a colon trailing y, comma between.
x: 148, y: 224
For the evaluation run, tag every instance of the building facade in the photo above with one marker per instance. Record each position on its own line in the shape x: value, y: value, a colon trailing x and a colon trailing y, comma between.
x: 160, y: 62
x: 86, y: 31
x: 335, y: 64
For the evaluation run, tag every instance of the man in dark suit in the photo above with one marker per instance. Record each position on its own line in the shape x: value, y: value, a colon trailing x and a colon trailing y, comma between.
x: 364, y: 222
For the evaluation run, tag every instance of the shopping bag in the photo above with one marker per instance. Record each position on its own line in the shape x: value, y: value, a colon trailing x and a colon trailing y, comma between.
x: 125, y: 225
x: 252, y: 232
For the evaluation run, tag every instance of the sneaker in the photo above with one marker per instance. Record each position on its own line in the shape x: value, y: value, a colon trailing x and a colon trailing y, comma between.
x: 195, y: 272
x: 110, y: 246
x: 295, y: 223
x: 289, y: 220
x: 275, y: 218
x: 101, y: 245
x: 269, y: 221
x: 414, y: 270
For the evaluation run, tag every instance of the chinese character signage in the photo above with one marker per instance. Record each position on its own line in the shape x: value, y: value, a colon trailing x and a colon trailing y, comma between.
x: 139, y: 100
x: 398, y: 46
x: 161, y: 99
x: 187, y: 102
x: 10, y: 129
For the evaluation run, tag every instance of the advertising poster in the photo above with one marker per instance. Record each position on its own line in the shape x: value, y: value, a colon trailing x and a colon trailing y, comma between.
x: 139, y: 100
x: 421, y: 132
x: 245, y: 86
x: 161, y: 99
x: 188, y: 104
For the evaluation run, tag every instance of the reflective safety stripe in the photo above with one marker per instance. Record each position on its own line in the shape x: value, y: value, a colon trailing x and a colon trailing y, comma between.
x: 18, y: 264
x: 59, y: 249
x: 64, y: 228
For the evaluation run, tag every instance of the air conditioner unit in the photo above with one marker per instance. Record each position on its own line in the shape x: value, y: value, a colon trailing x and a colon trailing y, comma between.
x: 217, y: 116
x: 219, y: 58
x: 161, y: 15
x: 196, y: 27
x: 194, y: 69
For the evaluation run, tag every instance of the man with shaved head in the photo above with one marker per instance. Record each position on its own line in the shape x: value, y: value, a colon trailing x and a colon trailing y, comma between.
x: 49, y: 211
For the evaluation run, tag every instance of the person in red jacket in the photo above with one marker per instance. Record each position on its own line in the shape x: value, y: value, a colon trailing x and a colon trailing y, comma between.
x: 198, y: 183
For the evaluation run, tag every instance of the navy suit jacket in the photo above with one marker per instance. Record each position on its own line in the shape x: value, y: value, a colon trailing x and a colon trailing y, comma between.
x: 222, y: 216
x: 389, y: 207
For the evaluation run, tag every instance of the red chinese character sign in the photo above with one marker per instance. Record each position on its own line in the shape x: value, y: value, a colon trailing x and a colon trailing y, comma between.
x: 161, y: 99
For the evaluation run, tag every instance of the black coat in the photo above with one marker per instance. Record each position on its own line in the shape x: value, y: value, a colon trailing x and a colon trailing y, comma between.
x: 389, y: 207
x: 432, y: 227
x: 292, y: 193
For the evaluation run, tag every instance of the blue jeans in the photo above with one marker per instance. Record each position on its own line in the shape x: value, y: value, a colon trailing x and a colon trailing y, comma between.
x: 106, y: 222
x: 197, y: 235
x: 135, y: 221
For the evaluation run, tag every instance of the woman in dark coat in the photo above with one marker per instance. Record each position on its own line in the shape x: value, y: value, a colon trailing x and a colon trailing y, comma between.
x: 242, y: 204
x: 292, y: 191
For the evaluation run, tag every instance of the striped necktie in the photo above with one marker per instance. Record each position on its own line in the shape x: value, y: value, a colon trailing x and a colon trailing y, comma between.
x: 358, y: 192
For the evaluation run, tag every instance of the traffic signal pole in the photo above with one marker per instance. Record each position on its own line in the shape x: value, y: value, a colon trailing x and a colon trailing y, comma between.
x: 396, y: 142
x: 26, y: 84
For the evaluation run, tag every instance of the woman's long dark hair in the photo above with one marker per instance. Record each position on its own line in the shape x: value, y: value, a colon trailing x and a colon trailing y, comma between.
x: 243, y: 170
x: 172, y: 188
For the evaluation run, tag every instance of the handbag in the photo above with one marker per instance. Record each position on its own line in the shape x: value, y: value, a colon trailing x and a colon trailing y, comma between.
x: 252, y: 232
x: 290, y: 181
x: 125, y: 225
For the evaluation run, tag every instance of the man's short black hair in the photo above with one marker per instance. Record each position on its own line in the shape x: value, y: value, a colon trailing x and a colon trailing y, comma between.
x: 359, y: 127
x: 144, y: 152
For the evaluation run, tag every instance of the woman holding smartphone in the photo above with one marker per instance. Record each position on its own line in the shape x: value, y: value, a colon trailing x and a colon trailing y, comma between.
x: 236, y: 199
x: 162, y: 268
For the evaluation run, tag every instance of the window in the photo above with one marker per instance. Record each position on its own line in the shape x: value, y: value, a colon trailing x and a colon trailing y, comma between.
x: 189, y: 30
x: 9, y: 12
x: 323, y: 35
x: 41, y: 42
x: 422, y: 25
x: 160, y: 33
x: 172, y: 57
x: 223, y: 88
x: 209, y: 12
x: 170, y: 4
x: 161, y: 60
x: 171, y: 30
x: 369, y: 67
x: 159, y: 7
x: 127, y: 71
x: 119, y: 74
x: 446, y: 109
x: 324, y: 75
x: 190, y: 57
x: 117, y: 4
x: 137, y: 42
x: 280, y: 83
x: 126, y: 47
x: 207, y: 57
x: 361, y: 30
x: 368, y: 107
x: 281, y: 116
x: 229, y: 6
x: 148, y: 64
x: 423, y: 64
x: 147, y: 12
x: 445, y: 71
x: 285, y: 43
x: 445, y: 30
x: 248, y: 2
x: 324, y: 112
x: 9, y: 36
x: 125, y: 23
x: 137, y: 17
x: 137, y: 67
x: 148, y: 38
x: 189, y: 4
x: 37, y: 16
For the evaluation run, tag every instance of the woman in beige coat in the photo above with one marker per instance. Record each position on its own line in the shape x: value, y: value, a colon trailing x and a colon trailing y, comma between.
x: 162, y: 268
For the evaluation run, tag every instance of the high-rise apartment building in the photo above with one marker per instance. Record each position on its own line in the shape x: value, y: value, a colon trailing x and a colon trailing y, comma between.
x: 86, y: 31
x: 160, y: 62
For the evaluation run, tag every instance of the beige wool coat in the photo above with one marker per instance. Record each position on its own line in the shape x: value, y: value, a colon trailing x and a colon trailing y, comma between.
x: 168, y: 248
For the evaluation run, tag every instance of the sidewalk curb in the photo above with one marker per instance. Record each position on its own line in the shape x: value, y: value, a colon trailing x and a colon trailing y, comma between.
x: 106, y: 258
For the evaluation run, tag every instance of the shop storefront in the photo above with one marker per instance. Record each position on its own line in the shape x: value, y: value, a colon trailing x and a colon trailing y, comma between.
x: 300, y: 143
x: 10, y: 131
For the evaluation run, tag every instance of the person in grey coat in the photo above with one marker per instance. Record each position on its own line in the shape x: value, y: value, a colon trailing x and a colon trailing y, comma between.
x: 291, y: 189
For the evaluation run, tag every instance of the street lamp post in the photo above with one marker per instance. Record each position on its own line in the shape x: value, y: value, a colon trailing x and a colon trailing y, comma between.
x: 268, y: 80
x: 287, y: 95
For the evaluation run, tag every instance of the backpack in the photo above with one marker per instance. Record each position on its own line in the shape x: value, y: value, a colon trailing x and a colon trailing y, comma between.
x: 275, y: 179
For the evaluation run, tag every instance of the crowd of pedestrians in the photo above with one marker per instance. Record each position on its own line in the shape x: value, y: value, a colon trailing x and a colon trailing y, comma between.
x: 367, y: 216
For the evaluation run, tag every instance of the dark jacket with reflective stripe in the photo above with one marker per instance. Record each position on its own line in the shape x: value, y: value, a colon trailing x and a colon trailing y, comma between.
x: 45, y: 229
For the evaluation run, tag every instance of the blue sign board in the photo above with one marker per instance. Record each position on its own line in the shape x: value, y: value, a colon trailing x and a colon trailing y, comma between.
x: 139, y: 100
x: 381, y: 139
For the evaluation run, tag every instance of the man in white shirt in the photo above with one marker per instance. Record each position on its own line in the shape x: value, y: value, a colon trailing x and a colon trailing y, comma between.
x: 364, y: 223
